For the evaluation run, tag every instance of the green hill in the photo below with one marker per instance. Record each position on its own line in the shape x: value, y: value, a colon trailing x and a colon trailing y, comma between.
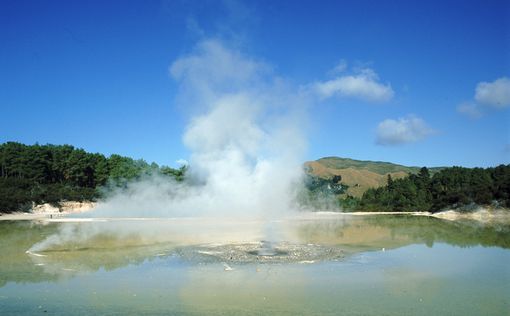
x: 379, y: 167
x: 360, y: 175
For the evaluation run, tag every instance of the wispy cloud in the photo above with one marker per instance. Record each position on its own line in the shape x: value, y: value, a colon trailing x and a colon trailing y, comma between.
x: 494, y: 94
x: 340, y: 67
x: 401, y: 131
x: 364, y: 85
x: 470, y: 109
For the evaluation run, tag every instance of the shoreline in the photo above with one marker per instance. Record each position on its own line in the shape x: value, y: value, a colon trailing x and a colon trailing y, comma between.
x: 48, y: 213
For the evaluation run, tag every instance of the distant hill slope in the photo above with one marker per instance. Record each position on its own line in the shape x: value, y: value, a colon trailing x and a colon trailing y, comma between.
x: 359, y: 175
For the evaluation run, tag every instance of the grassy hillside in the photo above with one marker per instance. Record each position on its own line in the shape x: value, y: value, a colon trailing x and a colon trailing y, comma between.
x: 379, y: 167
x: 360, y: 175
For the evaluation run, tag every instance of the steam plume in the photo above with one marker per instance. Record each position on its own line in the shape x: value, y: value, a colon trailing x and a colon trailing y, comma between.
x: 245, y: 137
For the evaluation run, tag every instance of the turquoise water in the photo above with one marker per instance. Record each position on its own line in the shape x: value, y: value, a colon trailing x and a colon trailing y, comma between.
x: 392, y: 266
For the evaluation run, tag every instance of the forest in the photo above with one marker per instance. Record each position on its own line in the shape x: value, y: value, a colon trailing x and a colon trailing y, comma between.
x: 54, y: 173
x: 458, y: 188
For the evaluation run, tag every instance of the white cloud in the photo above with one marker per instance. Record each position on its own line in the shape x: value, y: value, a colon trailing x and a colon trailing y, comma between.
x: 470, y: 109
x: 404, y: 130
x: 364, y: 85
x: 495, y: 94
x: 340, y: 67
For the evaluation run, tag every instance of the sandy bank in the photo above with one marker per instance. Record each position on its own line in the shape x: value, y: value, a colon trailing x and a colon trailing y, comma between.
x: 48, y: 211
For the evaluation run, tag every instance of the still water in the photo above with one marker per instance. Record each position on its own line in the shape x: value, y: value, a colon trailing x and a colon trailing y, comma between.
x: 325, y: 265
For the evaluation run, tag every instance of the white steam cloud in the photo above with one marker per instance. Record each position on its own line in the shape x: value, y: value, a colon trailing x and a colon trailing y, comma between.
x: 246, y: 142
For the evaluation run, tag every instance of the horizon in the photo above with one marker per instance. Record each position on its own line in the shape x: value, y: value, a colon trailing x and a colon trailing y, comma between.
x: 415, y: 84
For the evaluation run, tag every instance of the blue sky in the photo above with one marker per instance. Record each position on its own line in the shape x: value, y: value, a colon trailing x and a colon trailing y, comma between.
x: 411, y: 82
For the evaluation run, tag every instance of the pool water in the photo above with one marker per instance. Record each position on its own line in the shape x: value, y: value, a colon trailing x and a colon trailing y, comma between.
x: 390, y: 265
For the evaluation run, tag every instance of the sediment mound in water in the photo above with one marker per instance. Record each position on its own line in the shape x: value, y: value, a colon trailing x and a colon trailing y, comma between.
x: 282, y: 252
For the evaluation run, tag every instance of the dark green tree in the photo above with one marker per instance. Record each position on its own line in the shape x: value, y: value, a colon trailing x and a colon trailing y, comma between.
x: 50, y: 174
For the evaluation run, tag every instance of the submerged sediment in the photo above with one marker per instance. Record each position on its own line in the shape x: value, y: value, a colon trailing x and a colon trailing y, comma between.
x: 281, y: 252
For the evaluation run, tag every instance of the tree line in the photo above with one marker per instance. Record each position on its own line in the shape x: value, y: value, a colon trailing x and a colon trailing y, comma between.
x: 53, y: 173
x: 456, y: 187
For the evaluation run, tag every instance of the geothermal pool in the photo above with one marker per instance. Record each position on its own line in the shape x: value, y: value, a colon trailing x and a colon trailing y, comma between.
x: 306, y: 265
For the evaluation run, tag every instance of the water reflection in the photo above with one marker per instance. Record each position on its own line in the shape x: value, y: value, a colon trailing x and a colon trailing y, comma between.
x: 378, y: 231
x: 15, y: 264
x: 64, y: 250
